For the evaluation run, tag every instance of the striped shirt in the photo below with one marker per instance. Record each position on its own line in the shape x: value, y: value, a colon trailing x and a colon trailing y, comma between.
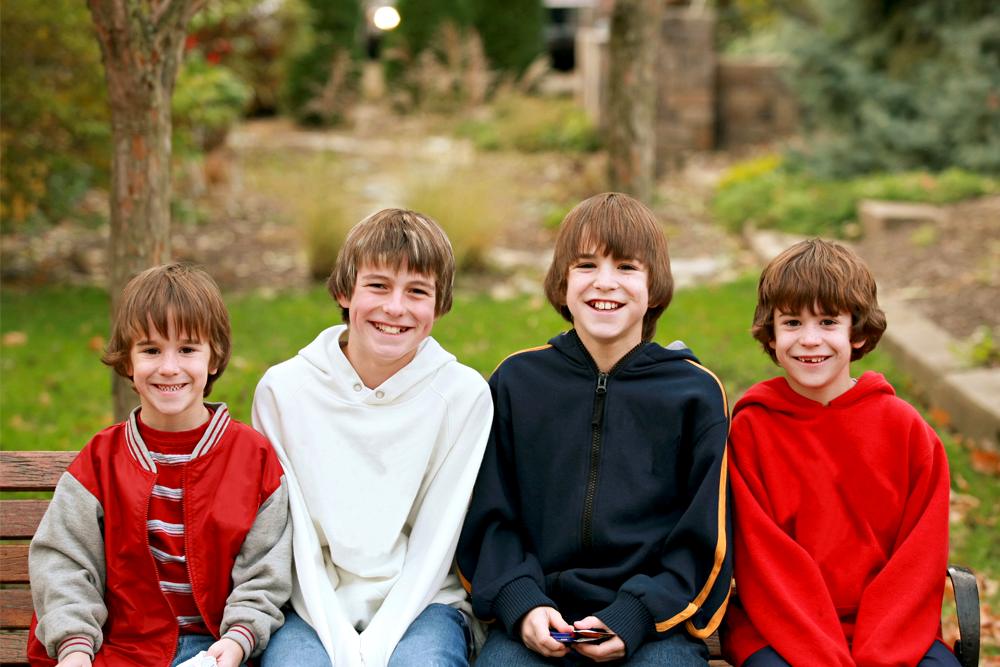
x: 165, y: 522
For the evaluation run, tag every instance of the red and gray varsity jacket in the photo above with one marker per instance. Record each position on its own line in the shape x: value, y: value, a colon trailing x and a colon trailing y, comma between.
x: 94, y: 581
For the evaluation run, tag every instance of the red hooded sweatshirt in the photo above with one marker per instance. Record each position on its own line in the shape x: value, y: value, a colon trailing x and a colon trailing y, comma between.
x: 840, y: 527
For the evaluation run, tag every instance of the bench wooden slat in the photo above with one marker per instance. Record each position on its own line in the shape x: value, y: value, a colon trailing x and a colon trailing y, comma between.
x: 14, y: 563
x: 17, y: 608
x: 33, y: 471
x: 14, y: 647
x: 20, y: 518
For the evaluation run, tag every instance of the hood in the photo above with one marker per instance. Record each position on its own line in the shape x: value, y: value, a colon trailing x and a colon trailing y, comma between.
x: 333, y: 369
x: 649, y: 354
x: 776, y: 395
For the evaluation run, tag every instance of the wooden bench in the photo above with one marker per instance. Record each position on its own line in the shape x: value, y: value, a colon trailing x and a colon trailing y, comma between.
x: 40, y: 471
x: 21, y: 471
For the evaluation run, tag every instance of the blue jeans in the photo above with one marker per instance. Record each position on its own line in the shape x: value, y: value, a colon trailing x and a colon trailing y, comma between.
x: 677, y: 649
x: 937, y: 655
x: 295, y: 644
x: 188, y: 646
x: 440, y: 635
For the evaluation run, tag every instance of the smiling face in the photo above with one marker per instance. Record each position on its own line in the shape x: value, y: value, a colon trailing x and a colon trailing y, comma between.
x: 815, y: 351
x: 607, y: 298
x: 391, y: 313
x: 170, y: 372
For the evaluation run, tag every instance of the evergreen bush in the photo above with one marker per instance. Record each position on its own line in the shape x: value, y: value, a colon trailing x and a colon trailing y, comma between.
x: 322, y: 78
x: 512, y: 32
x: 894, y: 86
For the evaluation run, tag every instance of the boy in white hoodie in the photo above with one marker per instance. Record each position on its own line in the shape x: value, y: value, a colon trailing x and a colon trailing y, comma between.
x: 381, y: 433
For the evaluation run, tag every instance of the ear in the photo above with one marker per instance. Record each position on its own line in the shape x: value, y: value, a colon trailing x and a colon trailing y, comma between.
x: 773, y: 344
x: 344, y: 302
x: 859, y: 344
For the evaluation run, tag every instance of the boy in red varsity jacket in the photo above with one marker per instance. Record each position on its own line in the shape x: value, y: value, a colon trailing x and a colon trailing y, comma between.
x: 840, y: 489
x: 169, y: 534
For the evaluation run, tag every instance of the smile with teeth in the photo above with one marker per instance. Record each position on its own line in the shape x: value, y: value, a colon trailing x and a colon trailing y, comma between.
x: 604, y: 305
x: 811, y: 360
x: 389, y: 328
x: 170, y: 388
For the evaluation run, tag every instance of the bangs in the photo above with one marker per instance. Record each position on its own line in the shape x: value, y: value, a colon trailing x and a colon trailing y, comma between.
x: 394, y: 244
x: 163, y: 308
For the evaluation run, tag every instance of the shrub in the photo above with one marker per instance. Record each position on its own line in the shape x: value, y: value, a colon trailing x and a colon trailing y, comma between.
x: 773, y: 195
x: 901, y: 86
x: 209, y: 99
x: 322, y: 79
x: 533, y: 124
x: 511, y: 32
x: 54, y: 117
x: 468, y: 206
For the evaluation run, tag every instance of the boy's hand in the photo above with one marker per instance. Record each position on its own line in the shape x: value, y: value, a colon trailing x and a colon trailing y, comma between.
x: 611, y: 649
x: 226, y: 652
x: 75, y: 659
x: 535, y: 628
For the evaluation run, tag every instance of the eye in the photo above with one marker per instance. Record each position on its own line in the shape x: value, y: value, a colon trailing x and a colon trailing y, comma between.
x: 421, y: 291
x: 585, y: 265
x: 829, y: 322
x: 628, y: 267
x: 150, y: 351
x: 188, y: 350
x: 791, y: 323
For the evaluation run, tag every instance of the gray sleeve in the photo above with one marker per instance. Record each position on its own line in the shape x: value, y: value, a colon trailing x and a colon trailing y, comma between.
x: 68, y: 572
x: 262, y: 577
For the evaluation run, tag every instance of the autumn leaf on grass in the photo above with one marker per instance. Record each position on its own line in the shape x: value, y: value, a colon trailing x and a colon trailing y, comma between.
x: 939, y: 417
x: 986, y: 462
x: 96, y: 344
x: 14, y: 338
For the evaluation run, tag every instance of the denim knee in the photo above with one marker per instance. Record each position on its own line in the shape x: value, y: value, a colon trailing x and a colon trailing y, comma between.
x: 295, y: 644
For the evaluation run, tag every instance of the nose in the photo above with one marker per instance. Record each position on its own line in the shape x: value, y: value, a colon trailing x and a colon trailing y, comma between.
x: 810, y: 336
x: 394, y: 305
x: 168, y: 364
x: 605, y: 278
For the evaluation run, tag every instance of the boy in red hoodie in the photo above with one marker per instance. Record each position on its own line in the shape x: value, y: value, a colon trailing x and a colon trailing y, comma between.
x: 840, y: 489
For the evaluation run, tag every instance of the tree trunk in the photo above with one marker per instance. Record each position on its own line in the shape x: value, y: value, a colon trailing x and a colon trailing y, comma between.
x: 142, y: 44
x: 631, y: 120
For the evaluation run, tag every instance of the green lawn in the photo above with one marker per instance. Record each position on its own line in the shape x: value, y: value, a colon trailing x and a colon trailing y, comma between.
x: 55, y: 394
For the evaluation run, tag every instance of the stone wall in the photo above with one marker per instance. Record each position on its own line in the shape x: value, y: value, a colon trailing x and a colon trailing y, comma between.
x: 685, y: 116
x: 704, y: 101
x: 753, y: 104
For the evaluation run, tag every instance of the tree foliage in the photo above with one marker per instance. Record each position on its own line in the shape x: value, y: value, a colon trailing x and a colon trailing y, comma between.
x: 511, y: 32
x: 54, y: 116
x: 889, y: 85
x: 321, y: 77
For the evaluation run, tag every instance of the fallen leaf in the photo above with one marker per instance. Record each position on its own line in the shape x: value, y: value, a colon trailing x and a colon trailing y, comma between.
x: 961, y: 483
x: 44, y: 399
x: 939, y: 417
x: 96, y: 344
x: 14, y: 338
x: 986, y: 462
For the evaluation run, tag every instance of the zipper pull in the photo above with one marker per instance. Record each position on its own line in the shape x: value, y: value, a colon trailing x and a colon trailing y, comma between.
x: 602, y: 390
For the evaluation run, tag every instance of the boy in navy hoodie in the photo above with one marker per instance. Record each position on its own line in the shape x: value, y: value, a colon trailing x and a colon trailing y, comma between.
x: 602, y: 499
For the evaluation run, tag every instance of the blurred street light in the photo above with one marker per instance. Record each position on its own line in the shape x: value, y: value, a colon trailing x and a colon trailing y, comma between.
x: 386, y: 18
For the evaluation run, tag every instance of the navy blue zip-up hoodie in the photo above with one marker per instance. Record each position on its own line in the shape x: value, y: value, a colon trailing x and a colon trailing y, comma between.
x: 603, y: 494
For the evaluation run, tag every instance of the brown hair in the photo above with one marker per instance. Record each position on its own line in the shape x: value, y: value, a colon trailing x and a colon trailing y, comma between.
x: 824, y: 277
x: 388, y: 239
x: 170, y: 292
x: 616, y: 225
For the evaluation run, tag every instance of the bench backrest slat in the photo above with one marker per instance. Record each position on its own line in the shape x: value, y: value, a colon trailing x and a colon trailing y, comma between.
x: 14, y: 648
x: 33, y: 471
x: 20, y: 518
x: 14, y: 563
x: 17, y: 608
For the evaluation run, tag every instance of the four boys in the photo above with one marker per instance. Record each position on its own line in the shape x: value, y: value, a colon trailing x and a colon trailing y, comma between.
x: 602, y: 499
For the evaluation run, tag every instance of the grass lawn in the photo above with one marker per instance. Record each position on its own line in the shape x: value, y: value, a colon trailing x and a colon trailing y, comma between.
x: 55, y: 394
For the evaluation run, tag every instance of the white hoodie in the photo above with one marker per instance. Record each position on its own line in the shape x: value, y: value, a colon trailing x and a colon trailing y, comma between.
x: 379, y: 482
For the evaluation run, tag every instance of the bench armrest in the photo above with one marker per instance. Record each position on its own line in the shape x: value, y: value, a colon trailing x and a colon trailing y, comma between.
x: 967, y: 603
